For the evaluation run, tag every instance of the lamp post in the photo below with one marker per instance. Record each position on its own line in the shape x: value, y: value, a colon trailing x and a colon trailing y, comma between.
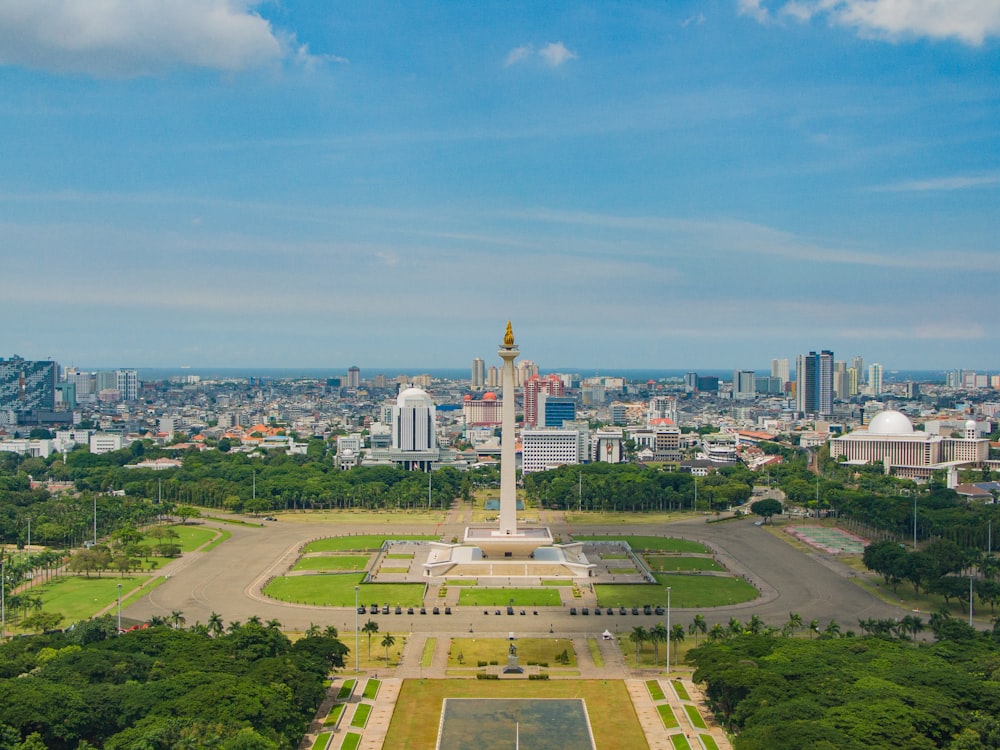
x: 119, y: 609
x: 668, y: 628
x: 970, y: 602
x: 357, y: 657
x: 3, y: 600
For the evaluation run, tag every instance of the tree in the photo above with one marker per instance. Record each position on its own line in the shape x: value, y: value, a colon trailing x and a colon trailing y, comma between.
x: 638, y: 636
x: 794, y: 622
x: 387, y: 642
x: 184, y: 512
x: 371, y: 628
x: 176, y: 619
x: 698, y: 625
x: 658, y: 634
x: 40, y: 621
x: 677, y: 636
x: 766, y: 508
x: 920, y: 567
x: 214, y: 625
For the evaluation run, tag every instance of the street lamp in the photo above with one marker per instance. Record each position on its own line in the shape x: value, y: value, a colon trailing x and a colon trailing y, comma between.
x: 357, y: 657
x: 669, y: 634
x: 119, y: 608
x: 3, y: 600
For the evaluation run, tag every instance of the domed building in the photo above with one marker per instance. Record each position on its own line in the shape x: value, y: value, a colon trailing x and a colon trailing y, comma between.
x: 891, y: 440
x: 483, y: 412
x: 414, y: 433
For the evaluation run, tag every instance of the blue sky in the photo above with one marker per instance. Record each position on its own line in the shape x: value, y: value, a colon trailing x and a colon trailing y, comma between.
x: 639, y: 184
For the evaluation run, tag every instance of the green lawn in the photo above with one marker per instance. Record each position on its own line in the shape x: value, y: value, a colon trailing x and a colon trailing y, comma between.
x: 334, y: 716
x: 80, y: 598
x: 351, y: 741
x: 709, y: 742
x: 681, y: 691
x: 363, y: 542
x: 427, y: 657
x: 345, y: 690
x: 501, y: 597
x: 695, y: 716
x: 337, y: 590
x: 361, y: 715
x: 667, y: 716
x: 595, y: 652
x: 536, y: 650
x: 399, y: 556
x: 322, y: 741
x: 661, y: 563
x: 189, y: 538
x: 417, y: 716
x: 371, y: 689
x: 686, y: 591
x: 332, y: 562
x: 679, y: 741
x: 557, y: 583
x: 650, y: 543
x: 655, y: 691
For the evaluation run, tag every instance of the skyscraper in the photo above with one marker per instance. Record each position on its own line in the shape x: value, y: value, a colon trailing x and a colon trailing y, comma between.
x: 875, y: 378
x: 127, y: 382
x: 550, y: 385
x: 27, y: 386
x: 858, y: 363
x: 744, y: 384
x: 814, y: 383
x: 780, y: 369
x: 478, y: 374
x: 353, y: 377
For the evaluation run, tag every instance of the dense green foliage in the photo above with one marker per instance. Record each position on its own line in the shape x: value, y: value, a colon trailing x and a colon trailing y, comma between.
x: 249, y: 688
x: 856, y: 693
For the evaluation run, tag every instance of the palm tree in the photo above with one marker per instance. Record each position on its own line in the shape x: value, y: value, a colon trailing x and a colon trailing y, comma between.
x: 234, y: 626
x: 371, y: 628
x: 677, y: 636
x: 832, y: 630
x: 717, y: 633
x: 658, y: 634
x: 254, y: 620
x: 794, y: 622
x: 387, y: 642
x: 330, y: 631
x: 698, y: 625
x: 313, y: 631
x: 735, y: 627
x: 176, y: 618
x: 215, y: 626
x: 755, y: 625
x: 638, y: 636
x: 814, y: 628
x: 273, y: 624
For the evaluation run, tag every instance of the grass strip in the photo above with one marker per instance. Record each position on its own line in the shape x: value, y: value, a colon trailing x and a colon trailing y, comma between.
x: 664, y: 564
x: 595, y: 652
x: 679, y: 741
x: 361, y: 715
x: 337, y: 590
x: 655, y: 691
x: 696, y: 721
x: 346, y: 690
x: 651, y: 543
x: 708, y: 741
x: 322, y: 741
x: 361, y: 542
x: 681, y: 691
x: 427, y: 657
x: 333, y: 718
x: 338, y: 562
x: 371, y: 689
x: 667, y: 716
x: 557, y: 583
x: 509, y: 597
x: 687, y: 591
x: 351, y: 741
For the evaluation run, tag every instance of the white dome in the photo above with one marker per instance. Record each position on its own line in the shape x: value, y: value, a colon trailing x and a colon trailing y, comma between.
x: 890, y: 422
x: 970, y: 425
x: 412, y: 397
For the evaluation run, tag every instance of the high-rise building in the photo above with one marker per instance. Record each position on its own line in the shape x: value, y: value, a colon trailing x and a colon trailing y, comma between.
x: 127, y: 383
x: 478, y: 374
x: 814, y: 383
x: 27, y: 386
x: 744, y: 385
x: 353, y: 377
x: 550, y: 385
x: 546, y: 449
x: 690, y: 382
x: 780, y: 369
x: 875, y: 378
x: 554, y: 410
x: 858, y: 363
x: 492, y: 377
x: 525, y: 370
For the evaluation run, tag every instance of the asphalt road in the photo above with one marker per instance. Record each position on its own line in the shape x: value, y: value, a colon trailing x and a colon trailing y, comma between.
x: 228, y: 579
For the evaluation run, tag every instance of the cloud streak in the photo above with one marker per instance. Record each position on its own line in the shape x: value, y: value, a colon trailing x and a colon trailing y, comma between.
x: 553, y: 54
x: 940, y: 184
x: 968, y: 21
x: 130, y: 38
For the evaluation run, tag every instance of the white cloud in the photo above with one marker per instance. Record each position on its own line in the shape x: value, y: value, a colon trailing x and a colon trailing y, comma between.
x: 518, y: 54
x: 128, y: 38
x: 958, y: 182
x: 752, y: 8
x: 969, y: 21
x: 697, y: 20
x: 555, y: 54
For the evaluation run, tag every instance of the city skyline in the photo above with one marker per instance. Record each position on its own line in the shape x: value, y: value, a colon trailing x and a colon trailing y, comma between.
x: 229, y: 183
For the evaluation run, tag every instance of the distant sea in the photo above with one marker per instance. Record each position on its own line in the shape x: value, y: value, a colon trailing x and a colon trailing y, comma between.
x: 464, y: 373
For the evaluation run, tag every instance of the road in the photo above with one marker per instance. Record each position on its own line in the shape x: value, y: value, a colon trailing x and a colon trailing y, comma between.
x: 228, y: 579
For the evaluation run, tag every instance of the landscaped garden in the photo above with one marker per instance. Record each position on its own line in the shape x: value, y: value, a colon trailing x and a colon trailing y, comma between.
x: 685, y: 591
x: 337, y: 590
x: 492, y: 597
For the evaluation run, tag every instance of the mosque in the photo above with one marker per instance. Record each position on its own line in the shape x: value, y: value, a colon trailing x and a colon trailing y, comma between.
x: 891, y: 440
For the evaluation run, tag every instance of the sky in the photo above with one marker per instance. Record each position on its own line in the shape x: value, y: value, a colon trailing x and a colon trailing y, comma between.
x: 634, y: 184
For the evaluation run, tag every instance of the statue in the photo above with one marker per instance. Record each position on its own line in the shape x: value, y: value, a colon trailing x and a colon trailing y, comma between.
x: 508, y: 337
x: 512, y: 651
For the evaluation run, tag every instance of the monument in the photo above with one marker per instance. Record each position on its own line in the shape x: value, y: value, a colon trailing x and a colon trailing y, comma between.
x: 485, y: 546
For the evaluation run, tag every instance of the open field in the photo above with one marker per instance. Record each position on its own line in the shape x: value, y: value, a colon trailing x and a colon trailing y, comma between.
x: 359, y: 542
x: 547, y: 597
x: 686, y: 591
x: 418, y: 709
x: 80, y: 598
x: 333, y: 562
x: 529, y: 650
x: 648, y: 543
x: 337, y: 590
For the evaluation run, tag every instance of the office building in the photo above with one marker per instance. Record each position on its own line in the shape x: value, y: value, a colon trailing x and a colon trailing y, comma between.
x: 127, y: 383
x: 875, y: 378
x: 554, y: 410
x: 353, y: 377
x: 690, y: 382
x: 478, y: 374
x: 546, y: 449
x: 492, y: 377
x: 27, y: 386
x: 551, y: 385
x: 814, y: 383
x: 414, y: 436
x: 744, y: 385
x: 858, y: 363
x: 780, y: 369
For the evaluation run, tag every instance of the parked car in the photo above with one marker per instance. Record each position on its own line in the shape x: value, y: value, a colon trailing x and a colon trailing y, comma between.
x: 436, y: 611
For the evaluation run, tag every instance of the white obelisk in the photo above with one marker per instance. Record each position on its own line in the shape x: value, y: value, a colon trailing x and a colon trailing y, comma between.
x: 508, y: 454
